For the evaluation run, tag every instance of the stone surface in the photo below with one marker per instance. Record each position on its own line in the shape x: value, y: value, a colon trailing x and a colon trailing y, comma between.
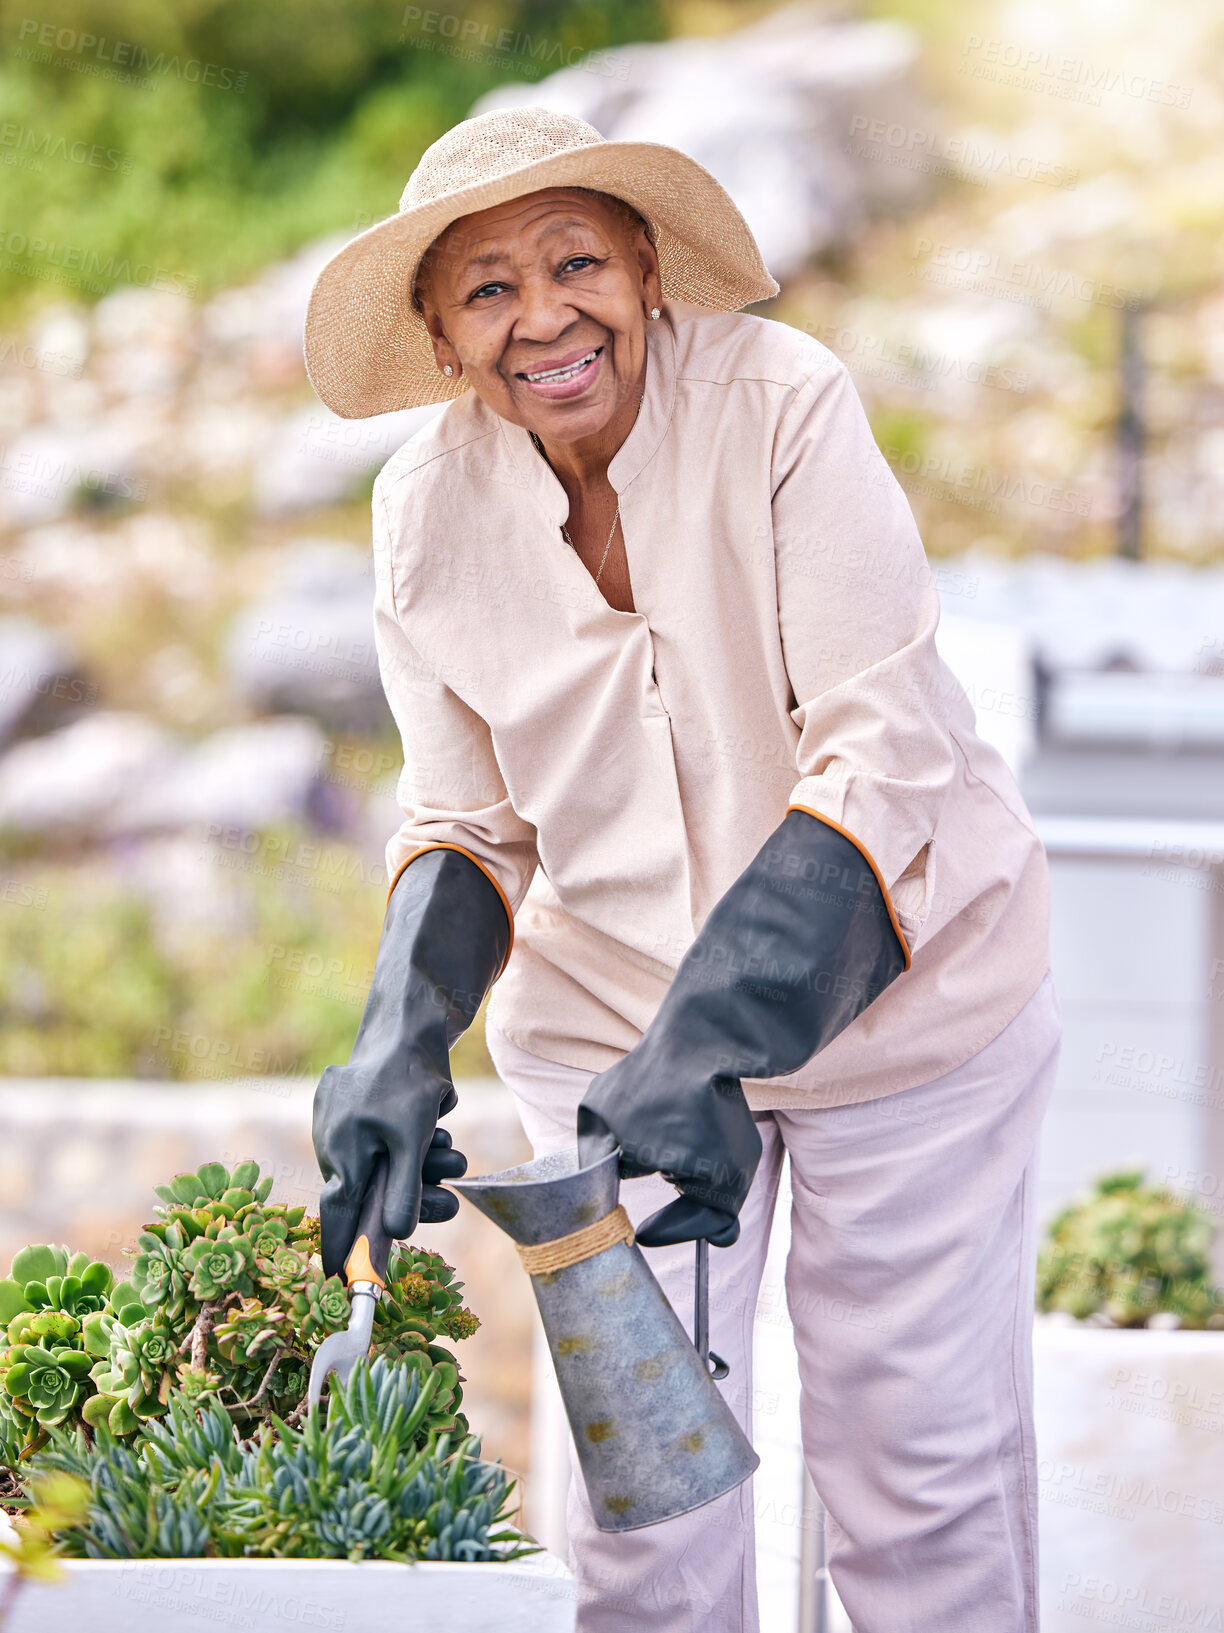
x: 313, y: 457
x: 244, y: 777
x: 271, y: 307
x: 71, y: 781
x: 96, y: 461
x: 113, y: 775
x: 38, y: 483
x: 307, y: 645
x: 41, y: 684
x: 1104, y: 612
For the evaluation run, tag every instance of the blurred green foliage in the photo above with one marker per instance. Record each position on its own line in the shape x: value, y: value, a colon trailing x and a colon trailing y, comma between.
x: 1129, y: 1252
x: 97, y: 980
x: 186, y: 146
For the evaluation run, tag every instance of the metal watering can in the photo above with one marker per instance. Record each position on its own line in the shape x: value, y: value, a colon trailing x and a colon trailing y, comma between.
x: 655, y: 1438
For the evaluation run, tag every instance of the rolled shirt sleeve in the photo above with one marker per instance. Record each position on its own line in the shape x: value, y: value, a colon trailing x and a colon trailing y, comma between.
x: 451, y: 789
x: 857, y: 612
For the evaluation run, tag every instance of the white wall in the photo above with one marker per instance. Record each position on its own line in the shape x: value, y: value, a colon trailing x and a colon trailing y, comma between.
x: 1135, y: 948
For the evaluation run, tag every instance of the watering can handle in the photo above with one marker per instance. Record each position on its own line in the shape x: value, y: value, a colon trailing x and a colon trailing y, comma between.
x: 714, y: 1364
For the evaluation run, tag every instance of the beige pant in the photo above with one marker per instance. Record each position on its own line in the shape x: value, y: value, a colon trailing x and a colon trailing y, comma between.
x: 910, y: 1286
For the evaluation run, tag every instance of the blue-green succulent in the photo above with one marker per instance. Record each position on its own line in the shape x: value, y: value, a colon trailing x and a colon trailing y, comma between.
x: 356, y: 1483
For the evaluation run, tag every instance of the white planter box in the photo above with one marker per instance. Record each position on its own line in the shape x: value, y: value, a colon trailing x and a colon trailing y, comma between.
x: 1130, y: 1442
x: 534, y: 1595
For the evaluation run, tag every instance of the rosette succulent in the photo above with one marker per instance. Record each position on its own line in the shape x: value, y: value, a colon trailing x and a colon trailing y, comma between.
x: 321, y: 1306
x: 159, y: 1275
x: 45, y: 1382
x: 226, y: 1303
x: 47, y: 1278
x: 44, y: 1365
x: 221, y: 1265
x: 132, y: 1372
x: 252, y: 1333
x: 284, y: 1270
x: 422, y: 1293
x: 267, y: 1237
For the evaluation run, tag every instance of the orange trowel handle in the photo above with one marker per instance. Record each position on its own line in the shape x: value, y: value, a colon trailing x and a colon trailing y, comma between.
x: 367, y: 1259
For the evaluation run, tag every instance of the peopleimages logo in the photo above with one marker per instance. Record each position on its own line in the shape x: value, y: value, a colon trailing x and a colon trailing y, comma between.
x: 472, y: 40
x: 29, y: 356
x: 29, y: 146
x: 49, y: 260
x: 37, y: 41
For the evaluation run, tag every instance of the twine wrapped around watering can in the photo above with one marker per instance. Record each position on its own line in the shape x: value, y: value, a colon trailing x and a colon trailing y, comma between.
x: 549, y: 1257
x: 654, y: 1436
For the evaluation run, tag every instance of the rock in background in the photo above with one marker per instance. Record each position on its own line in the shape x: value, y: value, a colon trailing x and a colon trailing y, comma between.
x: 41, y: 683
x: 769, y: 110
x: 306, y: 646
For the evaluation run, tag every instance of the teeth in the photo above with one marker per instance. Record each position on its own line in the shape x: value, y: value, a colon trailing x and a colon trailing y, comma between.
x: 565, y: 373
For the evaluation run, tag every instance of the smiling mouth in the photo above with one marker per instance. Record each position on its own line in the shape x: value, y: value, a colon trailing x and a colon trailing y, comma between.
x: 556, y: 376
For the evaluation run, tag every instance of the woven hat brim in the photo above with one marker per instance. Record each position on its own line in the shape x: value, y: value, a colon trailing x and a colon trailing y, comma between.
x: 366, y: 347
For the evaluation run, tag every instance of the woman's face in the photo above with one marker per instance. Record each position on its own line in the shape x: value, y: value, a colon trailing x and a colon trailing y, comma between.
x: 538, y: 285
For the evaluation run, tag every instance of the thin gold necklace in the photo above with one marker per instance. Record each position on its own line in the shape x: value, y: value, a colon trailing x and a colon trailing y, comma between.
x: 565, y: 530
x: 615, y: 514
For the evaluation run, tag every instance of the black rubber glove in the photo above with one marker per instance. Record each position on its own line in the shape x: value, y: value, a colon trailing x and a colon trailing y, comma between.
x: 800, y: 944
x: 445, y: 938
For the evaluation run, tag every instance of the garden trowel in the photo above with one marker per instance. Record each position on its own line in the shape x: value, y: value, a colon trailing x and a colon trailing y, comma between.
x: 365, y: 1272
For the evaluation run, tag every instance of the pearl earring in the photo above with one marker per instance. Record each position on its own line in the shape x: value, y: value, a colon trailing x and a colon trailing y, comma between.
x: 654, y: 311
x: 448, y: 369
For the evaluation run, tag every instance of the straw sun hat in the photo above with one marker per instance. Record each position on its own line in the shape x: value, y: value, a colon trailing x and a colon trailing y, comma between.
x: 367, y: 349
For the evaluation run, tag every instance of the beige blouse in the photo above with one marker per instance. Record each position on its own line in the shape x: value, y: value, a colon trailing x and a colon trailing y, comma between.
x: 614, y: 772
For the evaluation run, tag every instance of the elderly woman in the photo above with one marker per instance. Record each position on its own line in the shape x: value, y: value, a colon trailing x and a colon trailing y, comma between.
x: 656, y: 626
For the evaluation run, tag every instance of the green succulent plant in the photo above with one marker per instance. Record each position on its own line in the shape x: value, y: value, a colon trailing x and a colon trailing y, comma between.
x: 133, y: 1515
x: 252, y: 1333
x: 422, y: 1289
x: 45, y: 1382
x: 360, y: 1486
x: 226, y: 1301
x: 14, y: 1432
x: 44, y: 1326
x: 1128, y: 1252
x: 47, y: 1278
x: 45, y: 1302
x: 321, y: 1306
x: 361, y: 1481
x: 135, y: 1376
x: 159, y: 1274
x: 221, y: 1265
x: 215, y: 1276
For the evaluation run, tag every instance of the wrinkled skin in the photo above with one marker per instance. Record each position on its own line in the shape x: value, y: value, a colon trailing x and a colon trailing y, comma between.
x: 567, y: 273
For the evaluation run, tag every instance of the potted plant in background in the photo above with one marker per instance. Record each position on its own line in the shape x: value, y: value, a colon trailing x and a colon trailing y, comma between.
x: 1129, y: 1385
x: 170, y: 1409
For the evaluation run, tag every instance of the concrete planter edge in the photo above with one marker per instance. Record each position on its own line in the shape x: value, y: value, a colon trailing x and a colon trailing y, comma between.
x: 1130, y: 1445
x: 533, y: 1595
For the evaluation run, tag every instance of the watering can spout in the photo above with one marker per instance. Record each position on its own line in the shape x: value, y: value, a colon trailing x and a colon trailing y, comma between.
x: 654, y: 1436
x: 542, y: 1200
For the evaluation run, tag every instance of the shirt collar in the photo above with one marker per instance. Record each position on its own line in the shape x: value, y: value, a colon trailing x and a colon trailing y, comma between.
x: 645, y: 434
